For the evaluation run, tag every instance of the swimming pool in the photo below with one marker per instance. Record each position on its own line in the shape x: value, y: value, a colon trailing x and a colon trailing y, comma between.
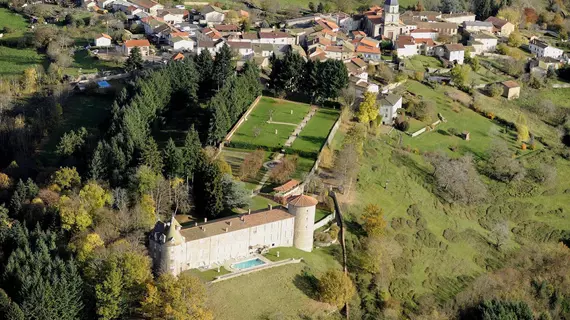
x: 248, y: 264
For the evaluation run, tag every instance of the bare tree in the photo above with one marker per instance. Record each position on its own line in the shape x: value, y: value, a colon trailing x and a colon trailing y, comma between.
x: 501, y: 164
x: 457, y: 179
x: 348, y: 96
x: 346, y: 165
x: 500, y: 234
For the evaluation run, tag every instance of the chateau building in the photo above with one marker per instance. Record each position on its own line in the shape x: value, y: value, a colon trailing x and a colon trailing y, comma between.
x: 175, y: 248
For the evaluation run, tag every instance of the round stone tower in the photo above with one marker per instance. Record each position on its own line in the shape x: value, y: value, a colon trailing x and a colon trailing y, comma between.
x: 303, y: 208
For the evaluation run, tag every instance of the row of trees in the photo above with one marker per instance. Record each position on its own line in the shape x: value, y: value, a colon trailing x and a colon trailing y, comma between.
x: 319, y: 81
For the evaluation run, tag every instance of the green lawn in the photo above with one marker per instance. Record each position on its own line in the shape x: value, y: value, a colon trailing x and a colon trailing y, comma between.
x: 320, y: 214
x: 208, y: 275
x: 84, y: 63
x: 485, y: 76
x: 259, y: 202
x: 16, y: 22
x: 278, y: 293
x: 257, y: 123
x: 13, y: 61
x: 421, y: 62
x: 315, y: 133
x: 483, y: 131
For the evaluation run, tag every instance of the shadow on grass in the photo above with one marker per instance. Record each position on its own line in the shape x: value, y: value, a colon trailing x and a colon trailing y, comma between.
x: 307, y: 283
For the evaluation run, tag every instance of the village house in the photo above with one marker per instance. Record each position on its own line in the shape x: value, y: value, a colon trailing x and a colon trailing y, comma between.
x: 227, y: 29
x: 143, y: 45
x: 408, y: 46
x: 205, y: 44
x: 103, y: 40
x: 482, y: 42
x: 357, y: 67
x: 443, y: 28
x: 338, y: 52
x: 542, y: 49
x: 426, y: 16
x: 276, y: 37
x: 459, y: 17
x: 174, y: 248
x: 182, y: 43
x: 212, y: 15
x: 368, y: 53
x: 148, y: 6
x: 151, y: 23
x: 476, y: 26
x: 502, y: 27
x: 389, y: 105
x: 511, y: 89
x: 243, y: 49
x: 173, y: 16
x: 425, y: 34
x: 454, y: 52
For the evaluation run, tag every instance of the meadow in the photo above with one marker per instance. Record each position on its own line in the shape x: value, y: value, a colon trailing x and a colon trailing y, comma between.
x: 16, y: 23
x: 260, y: 295
x: 14, y: 61
x: 315, y: 133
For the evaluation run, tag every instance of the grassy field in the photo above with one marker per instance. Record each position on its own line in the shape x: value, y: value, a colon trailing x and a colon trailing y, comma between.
x: 484, y: 76
x: 315, y: 133
x: 421, y: 62
x: 482, y: 130
x: 17, y: 24
x: 13, y: 61
x: 208, y: 275
x: 257, y: 120
x: 84, y: 63
x: 260, y: 295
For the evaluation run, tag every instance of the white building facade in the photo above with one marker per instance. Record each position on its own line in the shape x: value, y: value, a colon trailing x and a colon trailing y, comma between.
x: 174, y: 248
x: 542, y: 49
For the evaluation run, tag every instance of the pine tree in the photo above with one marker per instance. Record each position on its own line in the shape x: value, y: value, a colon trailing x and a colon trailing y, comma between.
x: 222, y: 68
x: 96, y: 167
x: 219, y: 123
x: 173, y: 165
x: 208, y: 188
x: 134, y: 61
x: 332, y: 77
x: 191, y: 152
x: 204, y: 66
x: 151, y: 156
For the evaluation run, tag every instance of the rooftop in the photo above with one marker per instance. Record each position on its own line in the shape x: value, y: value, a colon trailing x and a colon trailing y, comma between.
x: 389, y: 100
x: 510, y: 84
x: 234, y: 223
x: 303, y: 200
x: 454, y: 47
x: 287, y: 186
x: 137, y: 43
x: 146, y: 3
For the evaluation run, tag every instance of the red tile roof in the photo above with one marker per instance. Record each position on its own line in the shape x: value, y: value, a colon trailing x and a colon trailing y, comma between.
x: 287, y: 186
x: 510, y: 84
x: 104, y: 35
x: 177, y: 56
x: 137, y: 43
x: 303, y: 201
x: 366, y: 49
x: 226, y: 27
x: 274, y: 35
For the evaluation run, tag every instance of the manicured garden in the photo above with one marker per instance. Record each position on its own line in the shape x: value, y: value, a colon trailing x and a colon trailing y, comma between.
x: 315, y: 133
x: 256, y: 132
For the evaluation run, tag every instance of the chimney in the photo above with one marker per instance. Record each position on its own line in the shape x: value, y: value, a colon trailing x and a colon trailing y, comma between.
x: 230, y: 223
x: 270, y: 207
x: 226, y: 229
x: 204, y: 229
x: 205, y: 220
x: 195, y: 224
x: 248, y: 211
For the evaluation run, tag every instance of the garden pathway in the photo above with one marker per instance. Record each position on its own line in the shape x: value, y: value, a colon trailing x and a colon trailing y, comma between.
x: 288, y: 143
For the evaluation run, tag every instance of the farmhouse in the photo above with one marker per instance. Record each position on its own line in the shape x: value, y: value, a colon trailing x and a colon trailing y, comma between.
x: 474, y: 26
x: 459, y: 17
x: 483, y: 42
x: 148, y: 6
x: 541, y: 49
x: 143, y: 45
x: 103, y: 40
x: 389, y: 105
x: 511, y: 89
x: 501, y: 27
x: 175, y: 248
x: 454, y: 52
x: 213, y: 15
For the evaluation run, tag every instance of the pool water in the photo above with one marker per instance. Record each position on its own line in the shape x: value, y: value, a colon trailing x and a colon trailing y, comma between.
x: 248, y: 264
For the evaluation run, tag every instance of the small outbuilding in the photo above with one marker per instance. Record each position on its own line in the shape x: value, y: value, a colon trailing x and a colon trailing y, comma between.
x: 511, y: 89
x: 103, y: 40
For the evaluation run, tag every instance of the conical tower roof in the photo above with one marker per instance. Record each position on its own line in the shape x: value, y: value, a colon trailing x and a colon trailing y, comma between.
x: 303, y: 201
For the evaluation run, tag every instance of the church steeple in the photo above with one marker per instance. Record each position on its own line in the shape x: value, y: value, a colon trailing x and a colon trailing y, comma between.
x: 391, y: 12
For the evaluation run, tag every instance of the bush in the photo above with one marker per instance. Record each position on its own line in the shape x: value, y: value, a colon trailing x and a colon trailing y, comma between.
x: 335, y: 288
x: 494, y: 90
x: 402, y: 125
